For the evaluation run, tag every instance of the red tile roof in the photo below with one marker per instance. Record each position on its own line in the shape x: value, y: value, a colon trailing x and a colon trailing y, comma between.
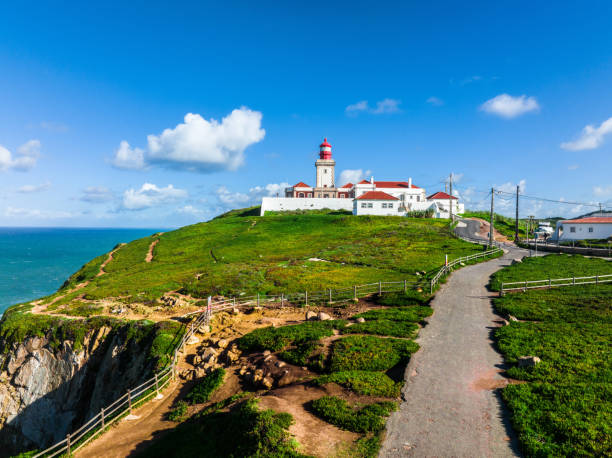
x: 301, y: 184
x: 590, y: 220
x: 394, y: 184
x: 348, y: 185
x: 376, y: 195
x: 441, y: 196
x: 364, y: 182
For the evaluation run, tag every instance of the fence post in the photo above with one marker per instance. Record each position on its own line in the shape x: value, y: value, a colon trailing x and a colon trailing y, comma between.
x: 573, y: 280
x: 431, y: 284
x: 234, y: 303
x: 258, y: 300
x: 501, y: 292
x: 129, y: 393
x: 306, y: 298
x: 282, y: 299
x: 68, y: 443
x: 355, y: 292
x: 157, y: 384
x: 597, y: 279
x: 405, y: 287
x: 549, y: 283
x: 379, y: 288
x: 102, y: 417
x: 330, y: 295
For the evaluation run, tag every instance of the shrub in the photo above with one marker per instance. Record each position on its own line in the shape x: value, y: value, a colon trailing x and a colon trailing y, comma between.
x: 369, y: 418
x: 276, y: 339
x: 305, y: 354
x: 363, y: 382
x: 384, y: 328
x: 178, y: 412
x: 369, y: 353
x: 206, y: 387
x: 414, y: 314
x: 410, y: 297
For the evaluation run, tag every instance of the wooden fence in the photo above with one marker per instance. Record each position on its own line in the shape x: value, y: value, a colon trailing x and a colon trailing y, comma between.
x: 459, y: 261
x: 553, y: 282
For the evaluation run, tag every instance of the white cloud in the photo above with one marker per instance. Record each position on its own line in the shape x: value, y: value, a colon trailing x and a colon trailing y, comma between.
x: 590, y: 138
x: 573, y: 167
x: 149, y: 195
x: 25, y: 159
x: 56, y: 127
x: 31, y: 188
x: 507, y: 106
x: 190, y: 210
x: 12, y: 212
x: 197, y: 144
x: 128, y: 158
x: 353, y: 176
x: 602, y: 191
x: 511, y: 187
x: 435, y: 101
x: 97, y: 194
x: 253, y: 197
x: 385, y: 106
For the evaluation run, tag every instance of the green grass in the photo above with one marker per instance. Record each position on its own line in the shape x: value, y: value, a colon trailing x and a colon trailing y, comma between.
x: 413, y: 314
x: 243, y: 431
x: 205, y: 388
x: 383, y: 327
x: 277, y: 339
x: 178, y: 412
x: 369, y: 353
x: 359, y: 419
x: 305, y: 354
x: 565, y: 409
x: 363, y: 382
x: 410, y: 297
x: 551, y: 266
x: 241, y: 253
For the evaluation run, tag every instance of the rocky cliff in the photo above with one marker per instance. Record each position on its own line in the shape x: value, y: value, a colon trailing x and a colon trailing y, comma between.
x: 48, y: 387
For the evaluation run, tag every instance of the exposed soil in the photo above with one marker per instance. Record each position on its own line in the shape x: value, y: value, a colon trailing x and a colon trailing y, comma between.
x: 484, y: 230
x: 149, y: 256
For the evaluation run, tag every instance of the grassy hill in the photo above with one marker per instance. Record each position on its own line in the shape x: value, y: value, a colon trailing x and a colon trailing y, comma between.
x: 241, y: 253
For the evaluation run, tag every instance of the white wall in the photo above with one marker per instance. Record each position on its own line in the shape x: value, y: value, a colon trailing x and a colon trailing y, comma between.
x: 600, y: 231
x: 443, y: 205
x: 309, y: 203
x: 377, y: 208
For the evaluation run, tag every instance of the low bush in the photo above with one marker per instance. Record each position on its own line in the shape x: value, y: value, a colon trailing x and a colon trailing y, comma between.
x: 369, y: 418
x: 410, y: 297
x: 276, y: 339
x: 305, y: 354
x: 206, y: 387
x: 363, y: 382
x: 178, y: 412
x: 384, y: 328
x: 414, y: 314
x: 369, y: 353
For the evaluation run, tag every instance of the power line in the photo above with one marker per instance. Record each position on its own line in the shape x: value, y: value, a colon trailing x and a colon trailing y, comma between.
x: 544, y: 199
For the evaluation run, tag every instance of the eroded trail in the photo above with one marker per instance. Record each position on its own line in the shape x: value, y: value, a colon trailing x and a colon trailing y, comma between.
x: 450, y: 405
x: 149, y: 256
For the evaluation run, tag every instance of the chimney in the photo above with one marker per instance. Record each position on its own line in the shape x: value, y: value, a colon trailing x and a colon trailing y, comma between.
x: 372, y: 179
x: 410, y: 183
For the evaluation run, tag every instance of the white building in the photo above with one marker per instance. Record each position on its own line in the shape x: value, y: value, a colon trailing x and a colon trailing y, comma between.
x: 377, y: 203
x: 445, y: 202
x: 588, y: 228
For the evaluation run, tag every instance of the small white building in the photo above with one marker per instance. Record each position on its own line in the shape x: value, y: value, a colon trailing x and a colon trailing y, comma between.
x: 588, y: 228
x: 377, y: 203
x: 445, y: 202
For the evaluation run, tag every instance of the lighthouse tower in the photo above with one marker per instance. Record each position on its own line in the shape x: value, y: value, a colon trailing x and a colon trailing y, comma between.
x: 325, y: 165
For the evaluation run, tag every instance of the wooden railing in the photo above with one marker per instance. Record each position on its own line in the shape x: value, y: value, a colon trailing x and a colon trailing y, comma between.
x: 553, y: 282
x: 460, y: 260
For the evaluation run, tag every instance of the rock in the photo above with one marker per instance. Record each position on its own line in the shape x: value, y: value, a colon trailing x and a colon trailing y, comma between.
x: 419, y: 289
x: 267, y: 353
x: 360, y: 320
x: 287, y: 379
x: 204, y: 329
x: 257, y: 376
x: 209, y: 356
x: 196, y: 360
x: 418, y: 274
x: 222, y: 343
x: 517, y: 261
x: 192, y: 340
x: 199, y: 372
x: 310, y: 315
x: 280, y: 364
x: 243, y: 370
x: 505, y: 322
x: 231, y: 357
x: 267, y: 382
x: 322, y: 316
x: 528, y: 361
x: 235, y: 311
x: 512, y: 318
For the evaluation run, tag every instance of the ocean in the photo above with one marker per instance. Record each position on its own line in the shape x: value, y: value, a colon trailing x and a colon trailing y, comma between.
x: 34, y: 262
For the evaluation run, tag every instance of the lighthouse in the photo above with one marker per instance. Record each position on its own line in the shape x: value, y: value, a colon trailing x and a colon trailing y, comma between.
x: 325, y: 165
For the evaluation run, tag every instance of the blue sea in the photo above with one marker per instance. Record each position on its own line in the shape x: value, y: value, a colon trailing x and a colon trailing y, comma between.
x: 34, y: 262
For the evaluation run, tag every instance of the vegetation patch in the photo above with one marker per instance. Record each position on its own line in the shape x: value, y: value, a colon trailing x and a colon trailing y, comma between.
x: 178, y: 412
x: 383, y: 327
x: 359, y: 419
x: 414, y: 314
x: 243, y: 431
x: 276, y: 339
x: 565, y: 408
x: 305, y: 354
x: 205, y: 388
x: 363, y: 382
x: 369, y: 353
x: 410, y: 297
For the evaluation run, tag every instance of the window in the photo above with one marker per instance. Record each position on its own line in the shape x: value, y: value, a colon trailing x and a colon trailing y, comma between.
x: 384, y: 205
x: 390, y: 205
x: 301, y: 194
x: 411, y: 197
x: 324, y: 170
x: 370, y: 205
x: 364, y: 205
x: 573, y: 229
x: 325, y: 195
x: 309, y: 194
x: 590, y: 229
x: 419, y: 199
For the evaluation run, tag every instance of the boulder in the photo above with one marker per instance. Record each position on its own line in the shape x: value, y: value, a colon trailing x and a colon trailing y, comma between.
x: 516, y: 261
x: 209, y: 356
x: 267, y: 353
x: 360, y: 320
x: 528, y: 361
x: 267, y: 382
x: 322, y: 316
x: 512, y: 318
x: 280, y: 364
x: 286, y: 379
x: 222, y: 343
x: 243, y: 370
x: 204, y: 329
x: 235, y: 311
x: 310, y: 315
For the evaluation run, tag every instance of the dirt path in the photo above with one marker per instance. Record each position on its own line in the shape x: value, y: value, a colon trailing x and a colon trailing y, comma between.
x: 149, y: 256
x: 450, y: 407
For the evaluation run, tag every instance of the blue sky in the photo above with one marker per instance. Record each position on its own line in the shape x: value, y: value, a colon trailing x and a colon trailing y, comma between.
x: 499, y: 93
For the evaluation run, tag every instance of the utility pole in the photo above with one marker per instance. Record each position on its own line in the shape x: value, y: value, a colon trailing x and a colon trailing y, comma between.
x: 491, y: 221
x: 516, y: 223
x: 450, y: 200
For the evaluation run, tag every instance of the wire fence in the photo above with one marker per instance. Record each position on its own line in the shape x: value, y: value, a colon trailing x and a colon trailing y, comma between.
x: 553, y: 283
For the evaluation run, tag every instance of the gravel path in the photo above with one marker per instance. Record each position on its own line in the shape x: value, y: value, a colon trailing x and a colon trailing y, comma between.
x: 451, y: 406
